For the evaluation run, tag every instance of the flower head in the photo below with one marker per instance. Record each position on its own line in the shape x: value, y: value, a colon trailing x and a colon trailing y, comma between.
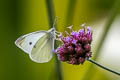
x: 76, y: 46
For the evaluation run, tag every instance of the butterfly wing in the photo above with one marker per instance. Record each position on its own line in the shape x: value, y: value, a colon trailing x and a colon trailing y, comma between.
x: 38, y: 45
x: 42, y: 51
x: 27, y: 42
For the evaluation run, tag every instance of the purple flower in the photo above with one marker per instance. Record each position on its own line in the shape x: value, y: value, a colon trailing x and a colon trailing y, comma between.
x: 74, y: 41
x: 87, y: 47
x: 74, y: 61
x: 81, y: 60
x: 76, y: 46
x: 75, y: 35
x: 79, y: 49
x: 67, y: 39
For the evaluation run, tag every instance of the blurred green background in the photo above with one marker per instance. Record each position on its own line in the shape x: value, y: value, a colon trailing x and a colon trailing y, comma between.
x: 18, y: 17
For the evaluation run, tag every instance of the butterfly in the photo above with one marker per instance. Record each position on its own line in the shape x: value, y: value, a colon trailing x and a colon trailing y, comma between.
x: 38, y: 45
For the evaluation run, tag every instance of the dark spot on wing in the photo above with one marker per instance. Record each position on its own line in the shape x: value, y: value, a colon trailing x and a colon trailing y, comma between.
x: 30, y: 43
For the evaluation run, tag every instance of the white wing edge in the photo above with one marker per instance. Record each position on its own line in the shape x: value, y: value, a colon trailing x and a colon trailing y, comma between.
x: 21, y: 37
x: 19, y: 46
x: 38, y: 61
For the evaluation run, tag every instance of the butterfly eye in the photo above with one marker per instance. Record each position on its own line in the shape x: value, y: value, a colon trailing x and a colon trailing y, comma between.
x: 30, y: 43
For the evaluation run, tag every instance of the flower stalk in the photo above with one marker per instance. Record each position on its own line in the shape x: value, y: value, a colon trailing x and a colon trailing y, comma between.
x: 105, y: 68
x: 51, y: 17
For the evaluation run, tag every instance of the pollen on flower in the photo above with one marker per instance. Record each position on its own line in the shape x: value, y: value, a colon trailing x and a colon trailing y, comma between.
x: 76, y: 46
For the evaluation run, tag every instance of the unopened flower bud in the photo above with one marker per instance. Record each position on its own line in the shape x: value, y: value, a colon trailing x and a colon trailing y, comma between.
x: 81, y: 60
x: 79, y: 49
x: 84, y: 40
x: 88, y: 54
x: 87, y: 47
x: 74, y: 61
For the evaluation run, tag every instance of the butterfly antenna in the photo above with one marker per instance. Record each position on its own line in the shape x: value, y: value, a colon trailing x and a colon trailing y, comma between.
x: 55, y: 21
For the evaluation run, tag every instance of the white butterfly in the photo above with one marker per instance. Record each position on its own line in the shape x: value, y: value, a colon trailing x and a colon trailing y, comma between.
x: 38, y: 45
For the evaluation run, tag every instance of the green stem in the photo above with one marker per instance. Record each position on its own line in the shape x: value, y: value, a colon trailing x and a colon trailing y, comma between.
x: 113, y: 13
x: 50, y: 10
x: 51, y: 16
x: 108, y: 69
